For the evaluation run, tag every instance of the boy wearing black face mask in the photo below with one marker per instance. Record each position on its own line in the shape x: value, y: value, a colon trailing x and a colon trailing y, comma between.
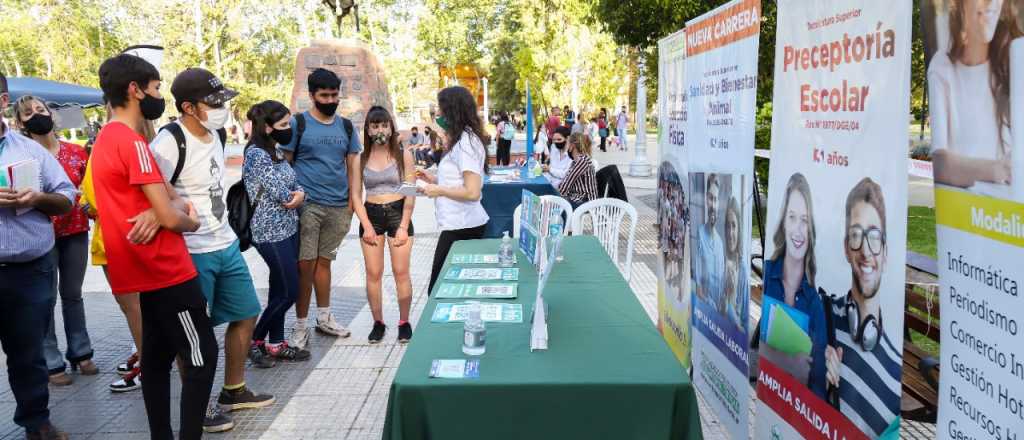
x: 201, y: 99
x: 325, y: 153
x: 128, y: 182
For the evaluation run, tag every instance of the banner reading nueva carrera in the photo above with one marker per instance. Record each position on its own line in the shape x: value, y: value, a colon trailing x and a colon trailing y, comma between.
x: 673, y: 213
x: 975, y: 55
x: 831, y: 329
x: 721, y: 78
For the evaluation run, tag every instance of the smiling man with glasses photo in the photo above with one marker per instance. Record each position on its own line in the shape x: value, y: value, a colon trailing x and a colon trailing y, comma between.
x: 864, y: 364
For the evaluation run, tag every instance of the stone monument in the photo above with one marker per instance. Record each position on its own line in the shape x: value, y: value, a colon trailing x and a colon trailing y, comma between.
x: 363, y: 83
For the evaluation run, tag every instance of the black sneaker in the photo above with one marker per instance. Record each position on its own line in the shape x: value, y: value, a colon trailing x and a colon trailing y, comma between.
x: 259, y: 358
x: 404, y: 333
x: 288, y: 353
x: 243, y: 398
x: 46, y: 432
x: 216, y: 420
x: 378, y: 332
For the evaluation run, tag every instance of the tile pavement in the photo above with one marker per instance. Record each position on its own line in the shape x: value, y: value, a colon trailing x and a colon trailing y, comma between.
x: 341, y: 393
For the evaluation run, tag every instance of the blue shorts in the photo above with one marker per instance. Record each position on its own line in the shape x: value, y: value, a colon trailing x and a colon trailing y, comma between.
x: 227, y: 285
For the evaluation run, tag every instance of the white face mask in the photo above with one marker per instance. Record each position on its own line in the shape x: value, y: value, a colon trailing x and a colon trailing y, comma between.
x: 216, y: 118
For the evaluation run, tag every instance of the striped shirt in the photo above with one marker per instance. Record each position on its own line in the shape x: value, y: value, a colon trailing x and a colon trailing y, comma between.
x: 869, y: 391
x: 29, y: 236
x: 580, y: 183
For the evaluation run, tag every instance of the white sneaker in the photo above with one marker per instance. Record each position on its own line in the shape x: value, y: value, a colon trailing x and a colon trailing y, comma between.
x: 299, y: 338
x: 331, y: 327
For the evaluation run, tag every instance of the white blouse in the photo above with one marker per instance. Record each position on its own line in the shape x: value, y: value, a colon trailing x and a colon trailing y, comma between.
x: 466, y: 155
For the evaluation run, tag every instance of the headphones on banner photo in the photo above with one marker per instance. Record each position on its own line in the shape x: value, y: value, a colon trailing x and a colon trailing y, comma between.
x: 866, y: 332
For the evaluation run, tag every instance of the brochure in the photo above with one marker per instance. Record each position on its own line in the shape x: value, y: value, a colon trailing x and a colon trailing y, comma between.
x: 477, y: 259
x: 488, y: 291
x: 482, y: 274
x: 455, y: 369
x: 489, y: 312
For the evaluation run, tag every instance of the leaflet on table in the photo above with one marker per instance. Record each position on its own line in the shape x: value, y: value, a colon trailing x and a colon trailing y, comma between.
x: 483, y: 291
x: 489, y: 312
x: 477, y: 259
x: 455, y: 369
x: 482, y: 274
x: 538, y: 220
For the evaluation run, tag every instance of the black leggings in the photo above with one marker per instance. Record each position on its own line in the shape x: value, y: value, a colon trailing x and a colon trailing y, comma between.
x: 174, y: 323
x: 444, y: 244
x: 504, y: 152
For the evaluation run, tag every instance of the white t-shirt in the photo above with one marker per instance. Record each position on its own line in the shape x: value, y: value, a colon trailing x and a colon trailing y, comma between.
x: 963, y: 109
x: 201, y: 182
x: 467, y: 155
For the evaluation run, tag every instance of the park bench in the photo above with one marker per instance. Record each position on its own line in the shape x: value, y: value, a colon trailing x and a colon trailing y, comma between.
x: 921, y: 314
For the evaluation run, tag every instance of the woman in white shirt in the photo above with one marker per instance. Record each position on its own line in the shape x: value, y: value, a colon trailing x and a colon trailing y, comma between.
x: 559, y: 158
x: 457, y: 186
x: 969, y: 90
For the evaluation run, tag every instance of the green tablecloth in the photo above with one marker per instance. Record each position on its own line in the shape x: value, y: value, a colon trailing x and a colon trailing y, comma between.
x: 607, y: 373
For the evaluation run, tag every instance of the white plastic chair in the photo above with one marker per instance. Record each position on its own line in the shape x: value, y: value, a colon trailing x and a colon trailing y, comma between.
x: 606, y: 217
x: 566, y: 208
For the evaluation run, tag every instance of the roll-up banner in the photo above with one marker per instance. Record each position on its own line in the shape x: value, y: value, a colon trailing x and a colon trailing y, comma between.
x: 721, y: 87
x: 975, y: 55
x: 831, y: 328
x: 673, y: 212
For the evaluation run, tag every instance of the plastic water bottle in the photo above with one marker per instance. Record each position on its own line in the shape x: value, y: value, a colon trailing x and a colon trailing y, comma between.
x: 506, y: 255
x: 474, y: 334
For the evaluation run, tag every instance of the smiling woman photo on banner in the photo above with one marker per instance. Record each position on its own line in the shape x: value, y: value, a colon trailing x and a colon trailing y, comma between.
x: 969, y: 87
x: 789, y: 281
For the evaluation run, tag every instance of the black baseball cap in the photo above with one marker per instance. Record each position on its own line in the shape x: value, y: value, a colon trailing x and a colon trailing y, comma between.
x: 200, y: 85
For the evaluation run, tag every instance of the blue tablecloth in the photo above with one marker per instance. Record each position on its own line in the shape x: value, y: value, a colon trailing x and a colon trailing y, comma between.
x: 501, y: 199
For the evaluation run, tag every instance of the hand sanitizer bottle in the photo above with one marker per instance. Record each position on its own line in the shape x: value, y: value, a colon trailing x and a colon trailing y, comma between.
x: 506, y: 255
x: 474, y: 334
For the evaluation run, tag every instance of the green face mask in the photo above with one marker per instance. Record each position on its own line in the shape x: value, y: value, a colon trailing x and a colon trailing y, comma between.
x: 442, y: 122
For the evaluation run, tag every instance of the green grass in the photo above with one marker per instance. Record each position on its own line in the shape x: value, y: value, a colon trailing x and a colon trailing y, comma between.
x: 921, y: 231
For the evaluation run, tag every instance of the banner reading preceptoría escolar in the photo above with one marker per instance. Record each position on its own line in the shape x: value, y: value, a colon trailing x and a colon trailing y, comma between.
x: 673, y: 212
x: 975, y: 56
x: 721, y: 87
x: 831, y: 330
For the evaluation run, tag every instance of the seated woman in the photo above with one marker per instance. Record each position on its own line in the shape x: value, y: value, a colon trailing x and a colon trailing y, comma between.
x: 580, y: 183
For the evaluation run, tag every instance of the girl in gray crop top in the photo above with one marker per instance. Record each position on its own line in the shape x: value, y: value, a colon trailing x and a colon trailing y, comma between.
x: 385, y: 217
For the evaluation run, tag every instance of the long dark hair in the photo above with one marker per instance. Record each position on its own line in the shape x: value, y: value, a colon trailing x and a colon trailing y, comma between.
x: 459, y: 108
x: 376, y: 115
x: 263, y: 115
x: 998, y: 57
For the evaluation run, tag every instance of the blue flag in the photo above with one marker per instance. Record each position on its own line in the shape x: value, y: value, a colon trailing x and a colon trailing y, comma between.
x: 529, y: 123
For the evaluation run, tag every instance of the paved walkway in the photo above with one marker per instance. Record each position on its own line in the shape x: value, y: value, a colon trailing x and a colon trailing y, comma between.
x: 341, y: 393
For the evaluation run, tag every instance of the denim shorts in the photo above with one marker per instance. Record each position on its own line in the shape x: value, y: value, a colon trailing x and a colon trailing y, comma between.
x: 386, y: 217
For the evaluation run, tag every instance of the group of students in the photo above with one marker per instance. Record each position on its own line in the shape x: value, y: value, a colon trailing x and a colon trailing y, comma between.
x: 174, y: 262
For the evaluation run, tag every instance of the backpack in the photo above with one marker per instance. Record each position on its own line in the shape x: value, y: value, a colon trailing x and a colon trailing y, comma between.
x: 179, y: 137
x: 508, y: 131
x: 240, y: 212
x: 300, y: 127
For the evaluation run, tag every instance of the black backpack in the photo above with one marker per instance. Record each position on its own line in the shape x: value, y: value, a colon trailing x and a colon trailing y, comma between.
x: 179, y: 138
x: 240, y: 212
x: 300, y: 127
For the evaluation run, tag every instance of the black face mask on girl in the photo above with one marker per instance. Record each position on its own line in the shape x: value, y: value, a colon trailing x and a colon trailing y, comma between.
x: 559, y: 145
x: 282, y: 137
x: 39, y: 124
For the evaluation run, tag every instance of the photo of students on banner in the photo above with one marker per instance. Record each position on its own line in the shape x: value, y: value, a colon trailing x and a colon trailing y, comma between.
x: 830, y: 338
x: 673, y: 237
x: 969, y: 80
